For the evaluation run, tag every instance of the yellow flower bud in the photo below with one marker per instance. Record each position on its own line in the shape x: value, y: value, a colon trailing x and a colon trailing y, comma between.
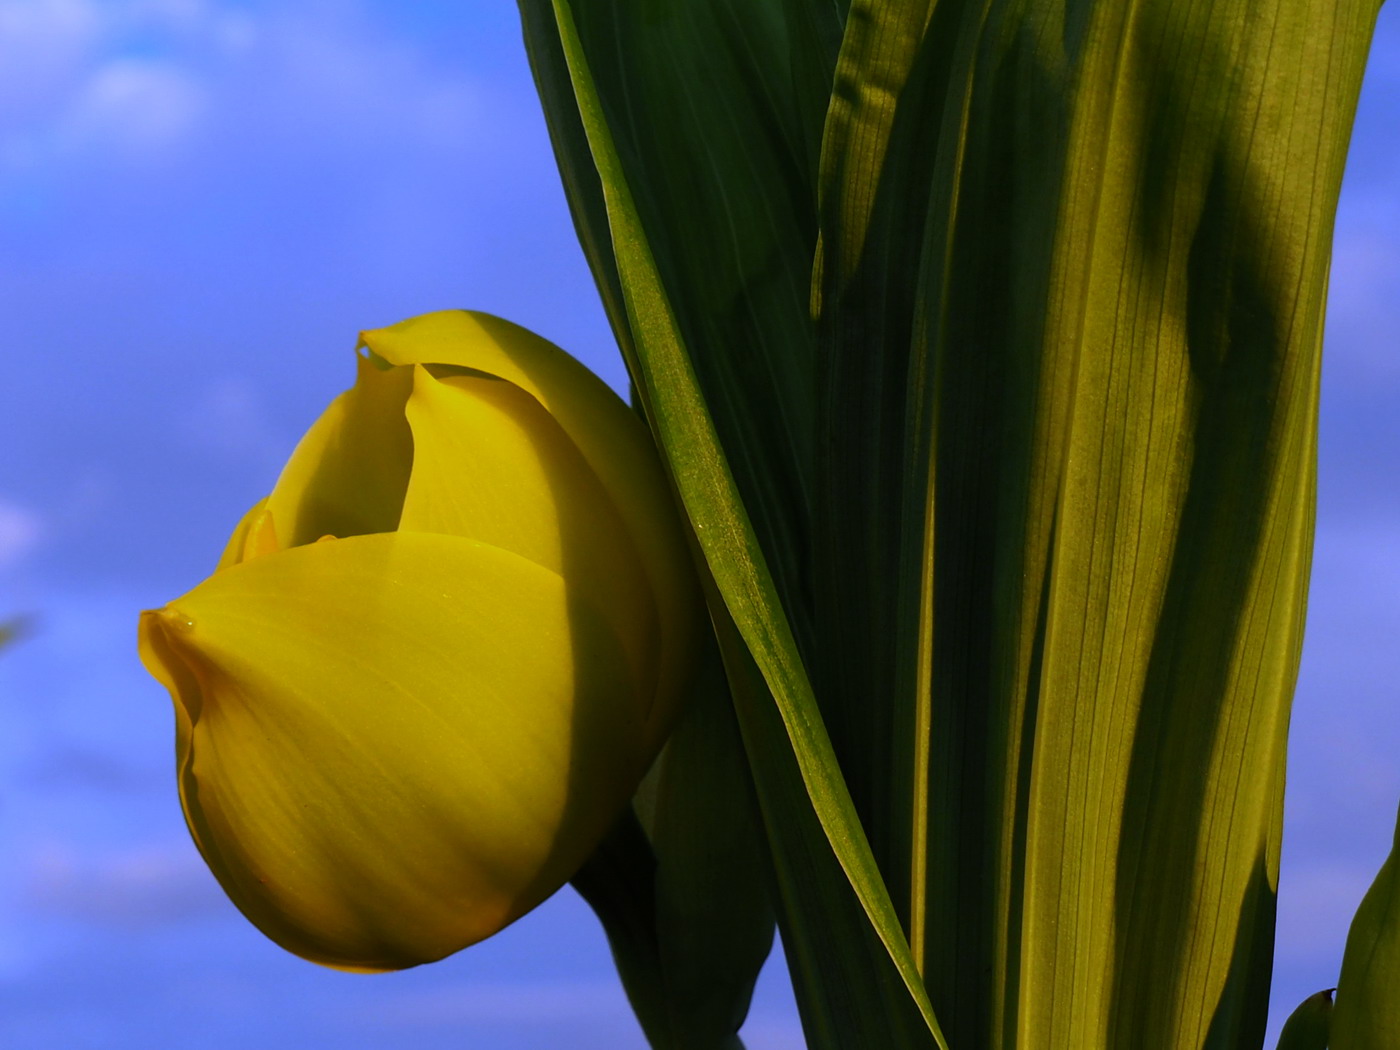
x: 434, y: 663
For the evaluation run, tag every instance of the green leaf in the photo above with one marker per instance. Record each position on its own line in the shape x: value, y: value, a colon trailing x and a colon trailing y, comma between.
x: 1307, y: 1026
x: 681, y: 883
x: 773, y: 464
x: 874, y: 165
x: 721, y: 184
x: 619, y: 883
x: 1074, y: 259
x: 1032, y: 498
x: 714, y: 921
x: 848, y: 993
x: 1367, y: 1013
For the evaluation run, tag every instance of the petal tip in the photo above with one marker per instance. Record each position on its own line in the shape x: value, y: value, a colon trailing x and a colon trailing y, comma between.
x: 168, y: 618
x: 163, y: 642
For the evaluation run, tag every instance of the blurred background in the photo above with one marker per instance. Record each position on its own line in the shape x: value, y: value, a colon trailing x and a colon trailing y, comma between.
x: 201, y: 202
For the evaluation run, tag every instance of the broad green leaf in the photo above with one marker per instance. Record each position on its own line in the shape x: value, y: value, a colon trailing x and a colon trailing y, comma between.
x: 1032, y: 499
x: 619, y: 883
x: 714, y: 919
x: 680, y: 885
x: 1307, y: 1026
x: 1073, y: 267
x: 665, y: 371
x: 1367, y: 1012
x: 874, y: 165
x: 722, y: 186
x: 832, y: 950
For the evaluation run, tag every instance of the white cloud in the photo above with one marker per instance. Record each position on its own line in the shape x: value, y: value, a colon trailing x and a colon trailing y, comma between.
x: 130, y: 107
x: 73, y: 88
x: 345, y: 85
x: 44, y: 47
x: 132, y: 80
x: 135, y: 887
x: 20, y: 530
x: 230, y: 418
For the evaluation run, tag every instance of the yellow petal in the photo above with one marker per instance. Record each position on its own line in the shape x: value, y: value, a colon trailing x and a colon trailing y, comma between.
x: 491, y: 464
x: 609, y: 435
x: 347, y: 475
x: 255, y: 523
x: 393, y: 745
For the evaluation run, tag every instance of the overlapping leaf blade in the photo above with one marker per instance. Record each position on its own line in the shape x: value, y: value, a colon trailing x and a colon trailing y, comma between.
x: 1031, y: 499
x: 1103, y: 412
x: 681, y: 885
x: 720, y: 183
x: 848, y: 994
x: 752, y: 369
x: 715, y: 923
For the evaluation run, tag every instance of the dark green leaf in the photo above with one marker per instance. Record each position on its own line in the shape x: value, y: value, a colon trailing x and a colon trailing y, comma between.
x: 666, y: 372
x: 1367, y: 1014
x: 1306, y: 1027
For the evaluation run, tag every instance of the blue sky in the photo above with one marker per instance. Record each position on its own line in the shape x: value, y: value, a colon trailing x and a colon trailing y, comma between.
x: 201, y: 202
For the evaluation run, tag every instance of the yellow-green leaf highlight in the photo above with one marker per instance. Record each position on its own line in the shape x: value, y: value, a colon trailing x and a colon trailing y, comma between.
x: 1112, y: 399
